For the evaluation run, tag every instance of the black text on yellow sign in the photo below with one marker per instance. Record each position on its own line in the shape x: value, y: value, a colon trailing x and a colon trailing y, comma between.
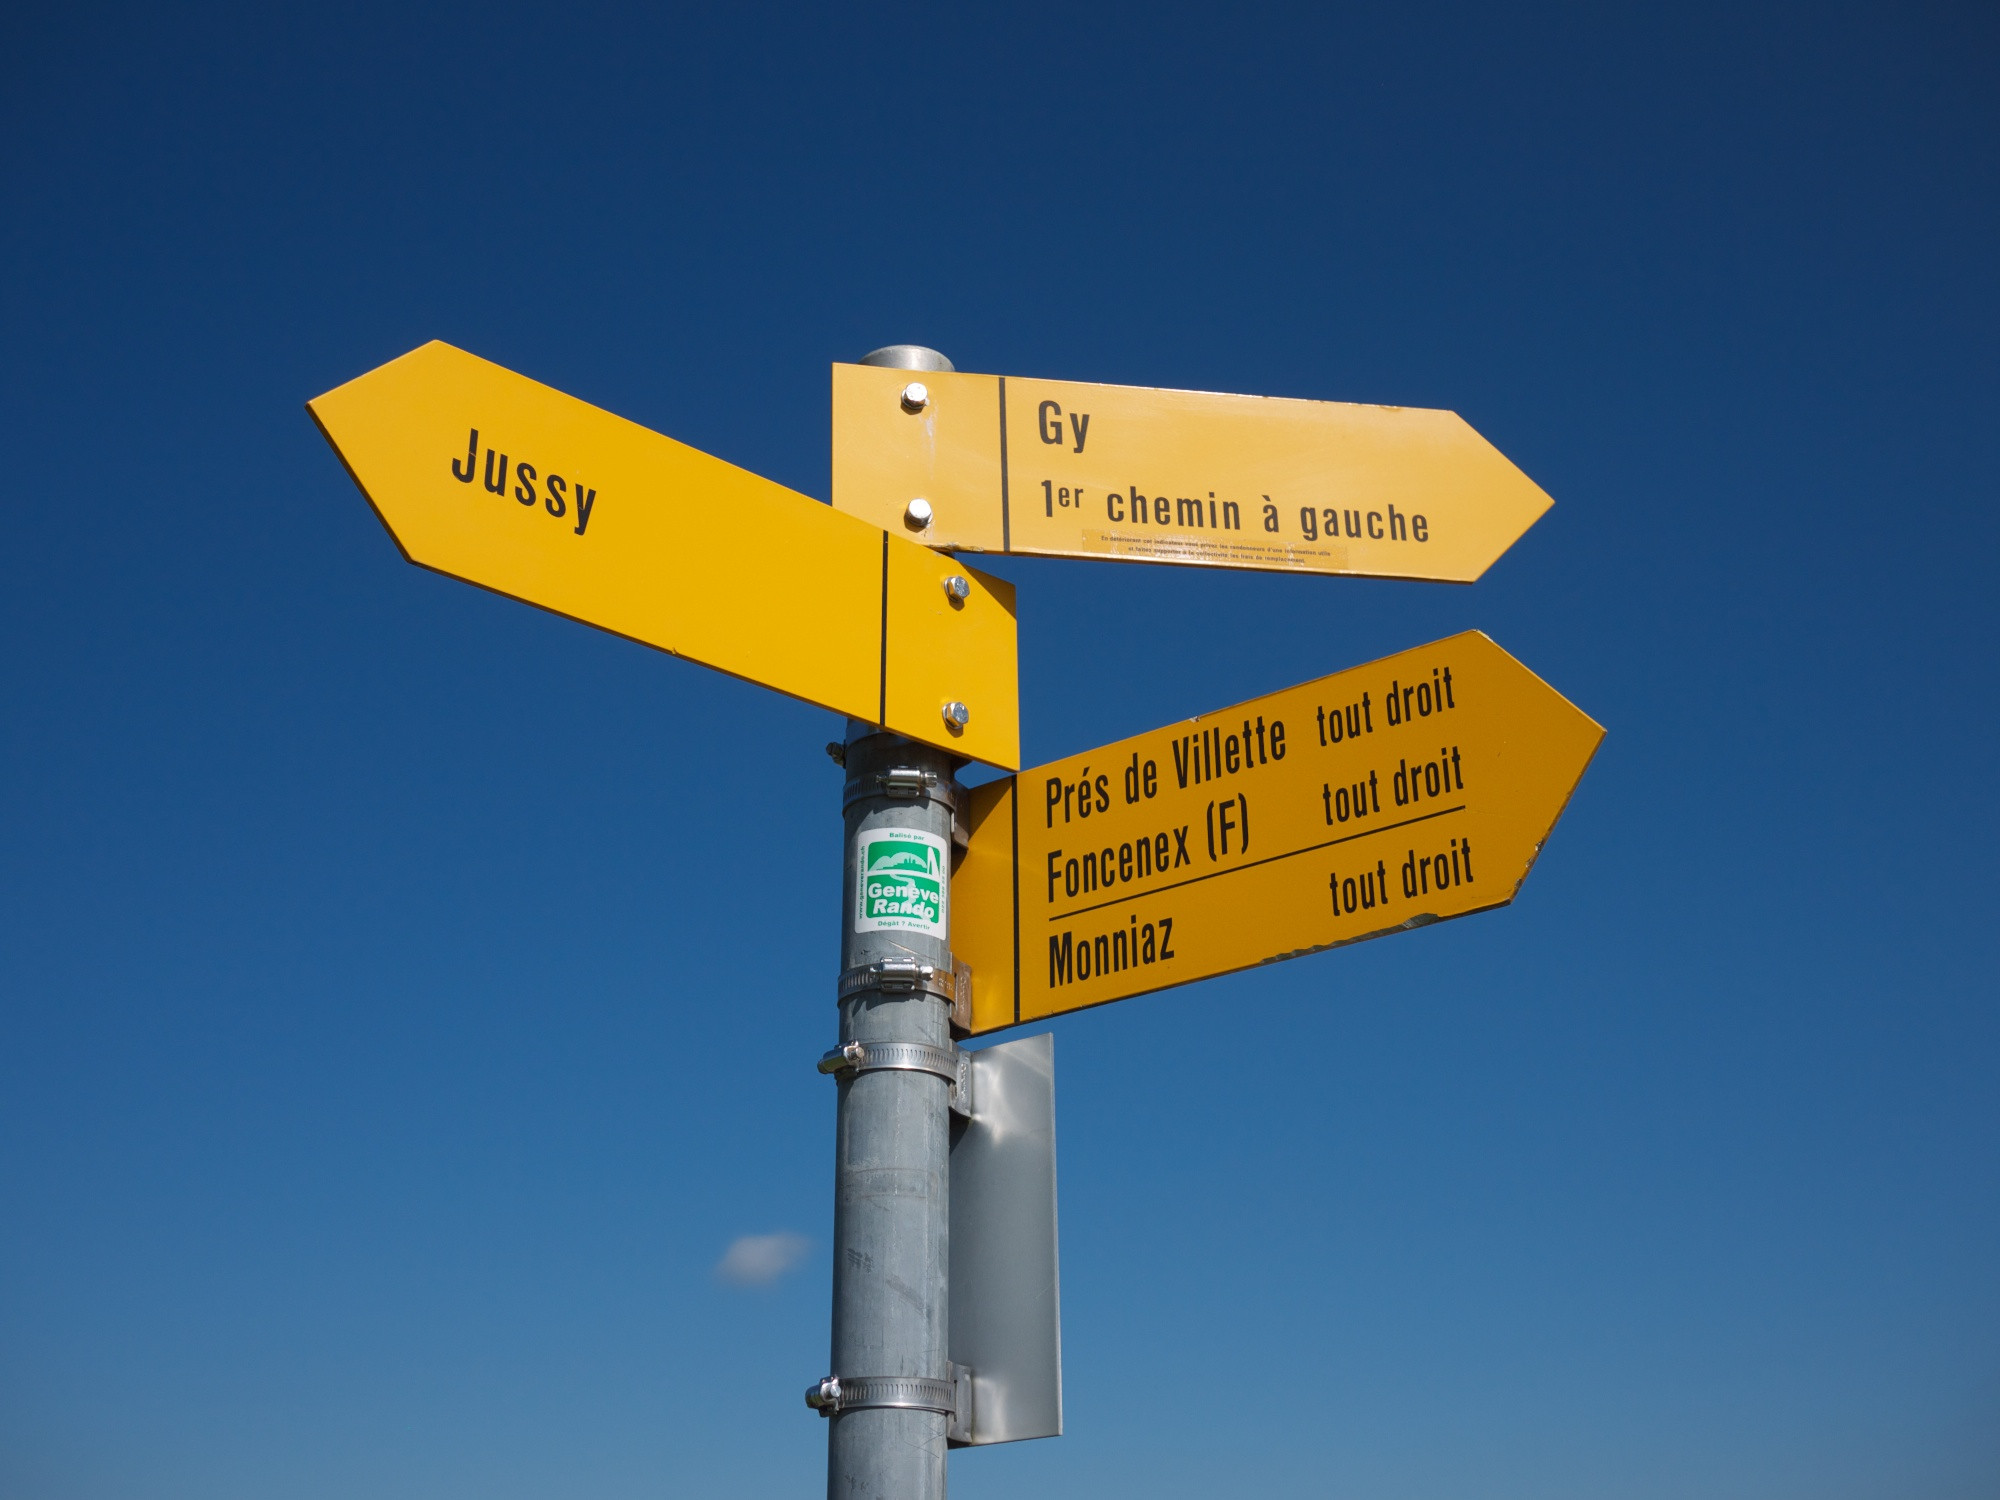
x: 1416, y: 788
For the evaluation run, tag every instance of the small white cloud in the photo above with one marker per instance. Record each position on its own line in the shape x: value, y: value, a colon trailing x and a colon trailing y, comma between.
x: 760, y: 1259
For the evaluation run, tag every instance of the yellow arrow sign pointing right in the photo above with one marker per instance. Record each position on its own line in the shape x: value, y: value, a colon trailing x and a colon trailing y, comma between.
x: 1413, y: 789
x: 1057, y: 468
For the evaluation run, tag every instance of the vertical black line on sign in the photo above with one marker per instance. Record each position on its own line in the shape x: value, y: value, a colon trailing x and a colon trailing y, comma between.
x: 1006, y: 529
x: 1014, y: 888
x: 882, y: 676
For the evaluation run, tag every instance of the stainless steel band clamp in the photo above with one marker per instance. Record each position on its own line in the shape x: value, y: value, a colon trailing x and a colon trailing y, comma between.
x: 952, y: 1064
x: 909, y: 783
x: 902, y: 976
x: 896, y: 1392
x: 901, y: 782
x: 951, y: 1397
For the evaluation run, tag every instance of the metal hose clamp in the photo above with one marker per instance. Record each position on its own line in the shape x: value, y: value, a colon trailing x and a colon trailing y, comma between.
x: 902, y: 783
x: 952, y: 1064
x: 951, y: 982
x: 949, y: 1397
x: 908, y: 783
x: 901, y: 976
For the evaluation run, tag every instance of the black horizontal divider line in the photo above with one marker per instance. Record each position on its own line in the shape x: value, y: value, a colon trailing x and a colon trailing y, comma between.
x: 1346, y: 838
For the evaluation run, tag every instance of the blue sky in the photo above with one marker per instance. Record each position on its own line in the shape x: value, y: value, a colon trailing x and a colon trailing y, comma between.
x: 389, y: 1060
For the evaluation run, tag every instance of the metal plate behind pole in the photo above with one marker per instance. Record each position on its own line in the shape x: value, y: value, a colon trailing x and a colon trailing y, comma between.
x: 1006, y: 1318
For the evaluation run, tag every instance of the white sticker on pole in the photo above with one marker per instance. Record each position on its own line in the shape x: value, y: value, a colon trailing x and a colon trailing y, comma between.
x: 905, y: 882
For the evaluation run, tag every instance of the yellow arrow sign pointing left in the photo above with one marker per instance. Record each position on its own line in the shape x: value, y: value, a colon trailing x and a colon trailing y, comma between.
x: 501, y: 481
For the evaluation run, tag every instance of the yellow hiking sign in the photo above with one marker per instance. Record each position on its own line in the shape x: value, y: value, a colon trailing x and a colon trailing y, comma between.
x: 501, y: 481
x: 1413, y: 789
x: 1061, y: 469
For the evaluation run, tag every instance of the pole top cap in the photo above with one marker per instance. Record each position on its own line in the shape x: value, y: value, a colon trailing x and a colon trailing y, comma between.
x: 907, y: 357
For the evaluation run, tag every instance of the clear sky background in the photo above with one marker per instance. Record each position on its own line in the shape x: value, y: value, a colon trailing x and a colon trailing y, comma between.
x: 408, y: 998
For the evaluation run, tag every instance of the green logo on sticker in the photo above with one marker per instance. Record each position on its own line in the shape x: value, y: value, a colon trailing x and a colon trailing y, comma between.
x: 902, y: 883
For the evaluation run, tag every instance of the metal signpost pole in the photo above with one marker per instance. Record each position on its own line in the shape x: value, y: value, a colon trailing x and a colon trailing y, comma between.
x: 889, y: 1398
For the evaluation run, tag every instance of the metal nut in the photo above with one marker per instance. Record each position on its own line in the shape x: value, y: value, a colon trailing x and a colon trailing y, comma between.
x: 918, y: 514
x: 957, y: 714
x: 916, y: 396
x: 957, y: 588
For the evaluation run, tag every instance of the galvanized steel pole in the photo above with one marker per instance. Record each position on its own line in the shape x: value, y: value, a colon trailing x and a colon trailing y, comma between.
x: 891, y: 1249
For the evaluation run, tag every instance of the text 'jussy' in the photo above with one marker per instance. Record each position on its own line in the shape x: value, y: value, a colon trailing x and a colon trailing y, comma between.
x: 559, y: 496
